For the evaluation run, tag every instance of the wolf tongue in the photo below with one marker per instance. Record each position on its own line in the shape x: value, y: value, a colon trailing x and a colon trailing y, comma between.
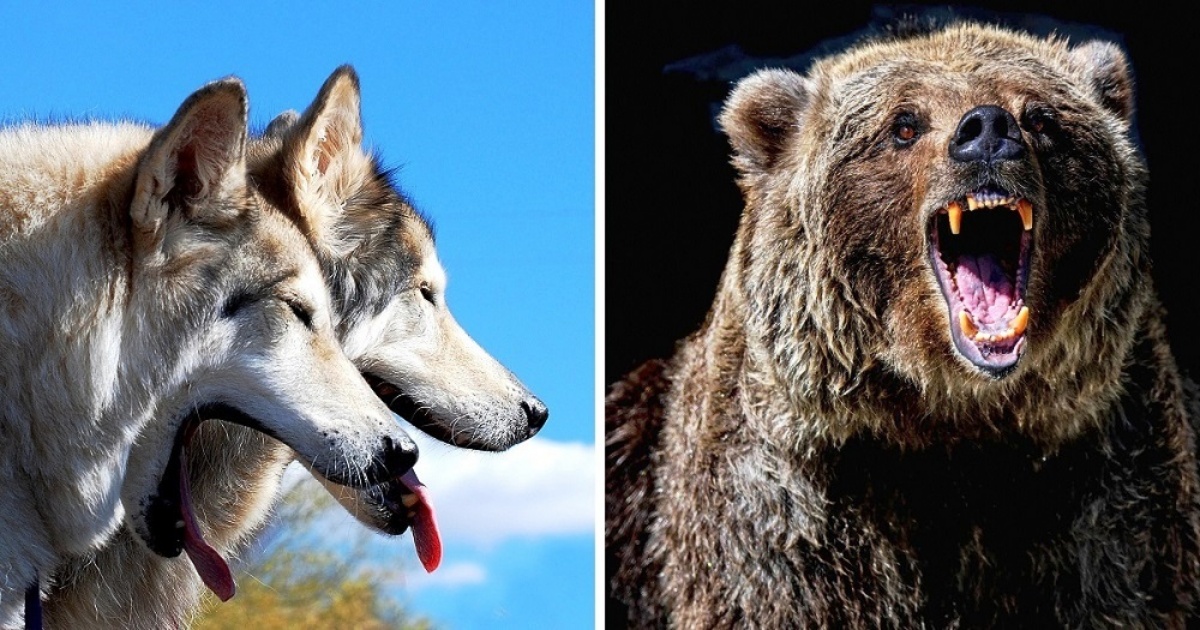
x: 213, y: 569
x: 424, y: 525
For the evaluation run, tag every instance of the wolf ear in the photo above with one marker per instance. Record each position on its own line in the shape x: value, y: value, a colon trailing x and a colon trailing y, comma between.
x: 193, y: 160
x: 761, y: 116
x: 323, y: 153
x: 1106, y: 67
x: 282, y: 123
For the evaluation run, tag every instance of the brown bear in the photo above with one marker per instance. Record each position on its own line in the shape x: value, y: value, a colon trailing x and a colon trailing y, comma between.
x: 934, y: 388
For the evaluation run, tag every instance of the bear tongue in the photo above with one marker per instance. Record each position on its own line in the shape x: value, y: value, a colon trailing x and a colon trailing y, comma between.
x: 424, y: 524
x: 213, y: 569
x: 985, y: 288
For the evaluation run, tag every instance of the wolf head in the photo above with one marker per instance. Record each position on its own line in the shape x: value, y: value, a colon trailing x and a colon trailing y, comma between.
x: 387, y: 284
x: 239, y: 290
x: 388, y: 291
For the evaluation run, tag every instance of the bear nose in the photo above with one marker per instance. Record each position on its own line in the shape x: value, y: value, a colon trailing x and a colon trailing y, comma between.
x: 536, y: 413
x: 987, y: 134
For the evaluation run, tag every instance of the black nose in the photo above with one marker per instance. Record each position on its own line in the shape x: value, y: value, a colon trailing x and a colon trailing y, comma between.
x: 537, y: 414
x: 987, y: 134
x: 397, y: 456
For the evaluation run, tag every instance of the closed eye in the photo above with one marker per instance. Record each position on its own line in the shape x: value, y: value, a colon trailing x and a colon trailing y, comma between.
x: 302, y: 312
x: 235, y: 303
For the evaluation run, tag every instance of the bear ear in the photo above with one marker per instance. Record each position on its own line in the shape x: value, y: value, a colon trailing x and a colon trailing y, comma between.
x: 1107, y: 68
x: 761, y: 115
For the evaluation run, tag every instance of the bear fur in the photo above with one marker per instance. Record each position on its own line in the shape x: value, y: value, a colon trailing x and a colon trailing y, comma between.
x: 833, y: 447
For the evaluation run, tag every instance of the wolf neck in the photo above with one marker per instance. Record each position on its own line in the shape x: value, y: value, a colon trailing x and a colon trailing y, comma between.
x: 64, y: 238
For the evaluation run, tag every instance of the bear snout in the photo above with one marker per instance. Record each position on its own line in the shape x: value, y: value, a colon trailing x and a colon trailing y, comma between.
x: 987, y: 134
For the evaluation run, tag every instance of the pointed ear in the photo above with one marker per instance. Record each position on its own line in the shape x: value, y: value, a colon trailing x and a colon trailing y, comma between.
x: 761, y: 116
x: 1106, y: 68
x: 195, y: 159
x: 324, y: 156
x: 282, y: 124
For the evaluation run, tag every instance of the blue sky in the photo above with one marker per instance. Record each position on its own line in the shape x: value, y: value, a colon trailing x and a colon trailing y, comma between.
x: 487, y: 108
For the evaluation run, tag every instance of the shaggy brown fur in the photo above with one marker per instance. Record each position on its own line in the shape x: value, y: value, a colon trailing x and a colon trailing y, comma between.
x: 821, y: 454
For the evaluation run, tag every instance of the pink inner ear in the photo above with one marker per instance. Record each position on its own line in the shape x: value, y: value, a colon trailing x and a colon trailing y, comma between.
x: 327, y: 147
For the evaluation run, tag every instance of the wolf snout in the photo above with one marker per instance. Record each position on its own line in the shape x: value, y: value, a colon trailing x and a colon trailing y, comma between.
x: 399, y: 454
x: 535, y: 413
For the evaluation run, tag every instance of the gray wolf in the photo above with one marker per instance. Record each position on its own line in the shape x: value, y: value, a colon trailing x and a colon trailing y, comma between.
x: 143, y: 283
x: 378, y: 255
x: 934, y: 387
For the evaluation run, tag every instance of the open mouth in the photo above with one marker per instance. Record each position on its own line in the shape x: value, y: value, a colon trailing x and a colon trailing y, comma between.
x: 174, y: 528
x: 171, y: 518
x: 406, y: 504
x: 980, y: 249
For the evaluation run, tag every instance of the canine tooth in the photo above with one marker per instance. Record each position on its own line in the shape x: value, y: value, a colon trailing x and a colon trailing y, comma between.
x: 1021, y: 321
x: 971, y: 202
x: 967, y: 326
x: 955, y: 211
x: 1025, y: 209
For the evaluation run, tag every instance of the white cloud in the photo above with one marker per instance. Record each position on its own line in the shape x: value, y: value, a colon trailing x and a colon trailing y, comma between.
x: 449, y: 576
x: 538, y: 488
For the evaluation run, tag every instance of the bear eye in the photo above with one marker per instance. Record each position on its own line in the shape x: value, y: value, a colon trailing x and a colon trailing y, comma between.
x: 1040, y: 120
x: 905, y: 130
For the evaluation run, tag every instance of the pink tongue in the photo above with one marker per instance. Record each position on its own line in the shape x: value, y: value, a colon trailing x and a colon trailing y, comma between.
x: 424, y: 525
x: 984, y: 287
x: 209, y: 564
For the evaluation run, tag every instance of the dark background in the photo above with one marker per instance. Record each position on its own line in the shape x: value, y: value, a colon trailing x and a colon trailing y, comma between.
x: 672, y: 204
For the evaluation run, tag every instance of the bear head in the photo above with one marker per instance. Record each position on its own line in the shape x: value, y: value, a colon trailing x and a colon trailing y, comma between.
x: 951, y: 219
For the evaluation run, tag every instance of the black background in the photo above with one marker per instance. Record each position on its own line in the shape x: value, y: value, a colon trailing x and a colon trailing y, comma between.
x: 671, y: 201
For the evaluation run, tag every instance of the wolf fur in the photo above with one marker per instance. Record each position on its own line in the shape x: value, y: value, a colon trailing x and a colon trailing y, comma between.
x: 378, y: 255
x: 141, y: 280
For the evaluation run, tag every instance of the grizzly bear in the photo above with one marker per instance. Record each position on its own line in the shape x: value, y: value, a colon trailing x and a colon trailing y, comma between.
x: 934, y: 388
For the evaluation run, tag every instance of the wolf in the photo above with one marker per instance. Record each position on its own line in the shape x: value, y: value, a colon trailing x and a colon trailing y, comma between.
x: 379, y: 257
x: 144, y: 285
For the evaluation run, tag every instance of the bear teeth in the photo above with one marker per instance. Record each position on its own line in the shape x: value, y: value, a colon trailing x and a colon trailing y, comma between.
x: 1021, y: 321
x: 955, y: 211
x: 1022, y: 207
x: 1025, y: 209
x: 1016, y: 327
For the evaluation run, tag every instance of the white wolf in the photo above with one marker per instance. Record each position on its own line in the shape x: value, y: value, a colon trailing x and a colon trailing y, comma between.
x: 140, y: 284
x: 379, y: 257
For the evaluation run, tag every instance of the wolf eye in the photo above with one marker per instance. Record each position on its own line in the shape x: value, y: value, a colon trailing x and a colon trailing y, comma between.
x: 302, y: 312
x: 905, y: 130
x: 427, y: 292
x: 235, y: 303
